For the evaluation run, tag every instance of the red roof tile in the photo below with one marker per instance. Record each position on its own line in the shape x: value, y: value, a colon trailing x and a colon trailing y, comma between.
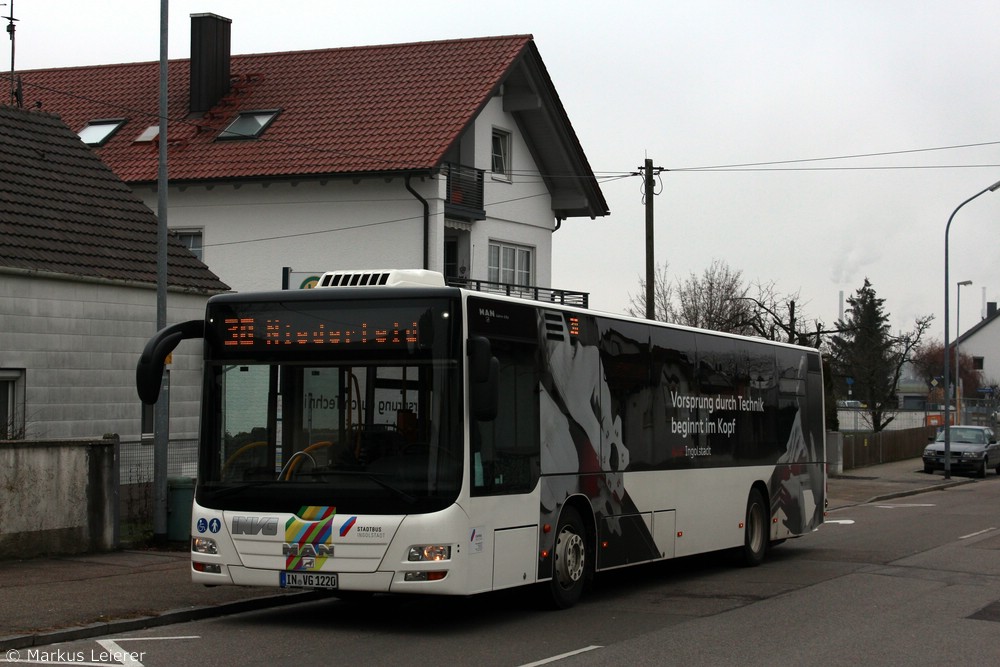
x: 348, y: 110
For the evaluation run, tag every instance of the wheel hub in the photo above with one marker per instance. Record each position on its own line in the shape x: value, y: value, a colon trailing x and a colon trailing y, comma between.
x: 570, y: 557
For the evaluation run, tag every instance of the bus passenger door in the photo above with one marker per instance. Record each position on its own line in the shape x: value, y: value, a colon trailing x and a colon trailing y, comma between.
x: 504, y: 473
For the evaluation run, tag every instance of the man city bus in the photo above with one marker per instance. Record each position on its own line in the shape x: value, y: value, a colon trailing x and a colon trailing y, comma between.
x: 385, y: 432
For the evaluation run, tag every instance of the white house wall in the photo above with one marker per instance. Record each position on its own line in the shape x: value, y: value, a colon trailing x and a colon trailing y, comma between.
x: 252, y: 230
x: 985, y: 343
x: 518, y: 211
x: 77, y: 344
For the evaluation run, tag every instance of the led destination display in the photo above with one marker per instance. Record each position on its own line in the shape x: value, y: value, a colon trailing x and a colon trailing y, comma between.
x: 270, y: 331
x: 270, y: 326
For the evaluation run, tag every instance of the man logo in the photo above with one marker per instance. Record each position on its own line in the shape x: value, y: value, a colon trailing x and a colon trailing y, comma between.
x: 255, y: 525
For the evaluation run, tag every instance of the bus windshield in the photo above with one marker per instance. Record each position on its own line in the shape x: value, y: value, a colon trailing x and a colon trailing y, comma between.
x: 361, y: 428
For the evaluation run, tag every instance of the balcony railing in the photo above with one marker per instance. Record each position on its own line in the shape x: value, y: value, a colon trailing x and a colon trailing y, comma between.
x: 548, y: 294
x: 465, y: 192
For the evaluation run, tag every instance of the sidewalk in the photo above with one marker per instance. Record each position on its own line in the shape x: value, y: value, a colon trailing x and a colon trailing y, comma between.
x: 56, y: 599
x: 884, y: 481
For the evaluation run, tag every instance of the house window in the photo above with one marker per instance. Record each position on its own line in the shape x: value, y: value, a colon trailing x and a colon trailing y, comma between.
x: 510, y: 264
x: 249, y: 125
x: 191, y: 238
x: 501, y: 154
x: 977, y: 363
x: 98, y: 132
x: 11, y: 417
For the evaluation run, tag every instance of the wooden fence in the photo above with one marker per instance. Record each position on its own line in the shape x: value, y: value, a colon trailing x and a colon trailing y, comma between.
x: 866, y: 449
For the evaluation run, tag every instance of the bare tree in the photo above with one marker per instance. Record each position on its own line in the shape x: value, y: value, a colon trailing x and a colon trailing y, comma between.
x: 929, y: 364
x: 720, y: 300
x: 780, y: 317
x: 663, y: 297
x: 716, y: 300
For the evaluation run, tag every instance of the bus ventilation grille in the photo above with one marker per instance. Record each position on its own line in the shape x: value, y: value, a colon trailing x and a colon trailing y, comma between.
x: 555, y: 328
x: 386, y: 278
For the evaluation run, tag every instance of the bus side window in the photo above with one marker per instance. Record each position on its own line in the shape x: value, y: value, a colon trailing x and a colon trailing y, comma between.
x: 506, y: 450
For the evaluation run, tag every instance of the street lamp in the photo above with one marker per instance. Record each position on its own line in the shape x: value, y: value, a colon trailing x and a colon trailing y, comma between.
x: 947, y: 356
x: 958, y: 356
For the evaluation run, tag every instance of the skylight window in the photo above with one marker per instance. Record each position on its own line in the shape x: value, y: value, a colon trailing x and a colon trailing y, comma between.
x: 249, y: 125
x: 149, y: 134
x: 98, y: 132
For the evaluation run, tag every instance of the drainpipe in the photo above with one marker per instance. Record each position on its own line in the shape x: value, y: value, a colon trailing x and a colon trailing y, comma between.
x: 427, y: 220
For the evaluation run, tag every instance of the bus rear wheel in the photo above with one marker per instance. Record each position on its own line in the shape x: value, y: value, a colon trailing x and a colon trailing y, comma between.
x: 755, y: 529
x: 571, y: 560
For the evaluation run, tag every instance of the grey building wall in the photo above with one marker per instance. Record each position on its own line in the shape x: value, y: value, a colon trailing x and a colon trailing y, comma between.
x: 74, y: 345
x: 57, y: 497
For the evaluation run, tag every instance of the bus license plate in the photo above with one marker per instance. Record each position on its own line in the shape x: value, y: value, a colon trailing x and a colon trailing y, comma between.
x: 308, y: 580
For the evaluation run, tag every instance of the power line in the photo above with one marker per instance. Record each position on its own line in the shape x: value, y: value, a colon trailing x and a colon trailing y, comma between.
x: 872, y: 168
x: 729, y: 167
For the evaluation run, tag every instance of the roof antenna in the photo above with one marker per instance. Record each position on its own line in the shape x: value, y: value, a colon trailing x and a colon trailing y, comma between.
x: 14, y: 96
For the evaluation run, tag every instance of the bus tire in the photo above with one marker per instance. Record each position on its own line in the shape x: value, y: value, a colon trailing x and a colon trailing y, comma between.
x: 571, y: 560
x: 755, y: 529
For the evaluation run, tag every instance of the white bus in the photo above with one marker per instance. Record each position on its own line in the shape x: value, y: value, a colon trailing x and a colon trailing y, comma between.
x: 387, y: 433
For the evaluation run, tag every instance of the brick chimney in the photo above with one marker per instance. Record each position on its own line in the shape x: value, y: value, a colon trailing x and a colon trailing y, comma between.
x: 210, y: 47
x: 991, y: 309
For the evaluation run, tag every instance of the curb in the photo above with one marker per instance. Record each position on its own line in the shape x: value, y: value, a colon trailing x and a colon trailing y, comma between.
x: 904, y: 493
x: 913, y: 492
x: 14, y: 642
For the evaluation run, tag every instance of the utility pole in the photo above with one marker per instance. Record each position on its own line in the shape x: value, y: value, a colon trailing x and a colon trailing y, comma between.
x: 650, y: 265
x: 161, y: 413
x: 10, y: 31
x: 648, y: 191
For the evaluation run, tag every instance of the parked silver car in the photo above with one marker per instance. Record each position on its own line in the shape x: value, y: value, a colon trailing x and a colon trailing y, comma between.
x: 973, y: 449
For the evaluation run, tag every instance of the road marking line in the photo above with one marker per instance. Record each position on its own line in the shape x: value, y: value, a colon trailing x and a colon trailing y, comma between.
x: 125, y: 658
x: 978, y: 532
x: 556, y: 658
x: 155, y: 639
x: 902, y: 505
x: 842, y: 522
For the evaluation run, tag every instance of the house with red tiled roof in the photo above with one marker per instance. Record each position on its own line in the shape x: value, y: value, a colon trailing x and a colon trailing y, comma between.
x: 78, y: 275
x: 455, y: 156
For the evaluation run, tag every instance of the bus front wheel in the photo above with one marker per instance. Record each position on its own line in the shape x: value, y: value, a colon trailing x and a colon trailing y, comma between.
x: 755, y: 529
x: 571, y: 560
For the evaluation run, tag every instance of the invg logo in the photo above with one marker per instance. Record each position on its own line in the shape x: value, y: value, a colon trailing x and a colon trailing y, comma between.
x: 255, y: 525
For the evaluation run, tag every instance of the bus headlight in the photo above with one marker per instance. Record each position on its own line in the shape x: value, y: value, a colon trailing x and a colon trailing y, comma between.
x: 204, y: 545
x: 429, y: 552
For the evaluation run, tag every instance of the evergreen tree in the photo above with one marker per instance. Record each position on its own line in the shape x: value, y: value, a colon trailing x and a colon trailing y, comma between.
x: 866, y: 353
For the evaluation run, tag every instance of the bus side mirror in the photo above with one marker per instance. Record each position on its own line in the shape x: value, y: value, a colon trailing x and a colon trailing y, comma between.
x: 149, y: 370
x: 484, y: 380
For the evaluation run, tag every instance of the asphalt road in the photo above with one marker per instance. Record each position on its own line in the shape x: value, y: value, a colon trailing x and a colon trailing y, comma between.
x: 915, y: 580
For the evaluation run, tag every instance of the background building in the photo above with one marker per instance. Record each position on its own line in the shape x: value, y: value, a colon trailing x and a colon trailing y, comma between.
x: 455, y: 156
x: 78, y: 291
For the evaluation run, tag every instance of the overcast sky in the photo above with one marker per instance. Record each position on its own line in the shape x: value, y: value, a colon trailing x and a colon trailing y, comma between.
x: 695, y: 84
